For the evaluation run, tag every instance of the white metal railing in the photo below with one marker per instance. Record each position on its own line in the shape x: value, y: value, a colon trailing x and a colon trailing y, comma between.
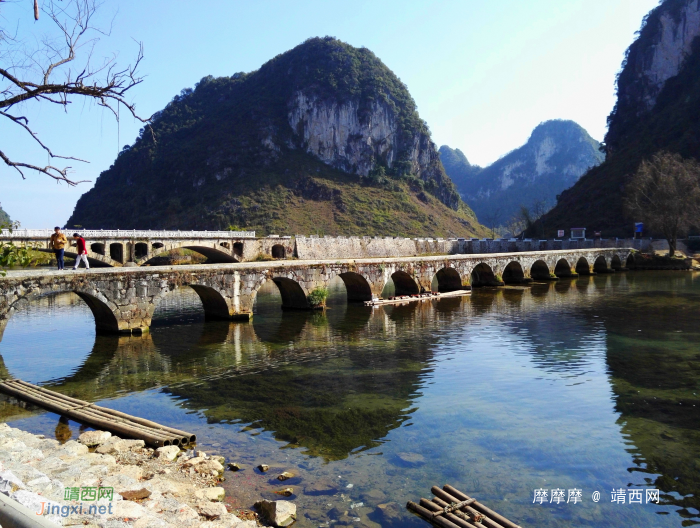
x: 126, y: 233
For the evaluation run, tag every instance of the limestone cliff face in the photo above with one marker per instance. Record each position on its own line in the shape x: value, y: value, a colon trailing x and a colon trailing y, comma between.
x: 658, y: 108
x: 323, y: 138
x: 665, y: 42
x: 357, y: 140
x: 556, y: 155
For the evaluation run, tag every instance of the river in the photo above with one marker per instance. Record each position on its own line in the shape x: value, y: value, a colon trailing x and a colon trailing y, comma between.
x: 588, y: 384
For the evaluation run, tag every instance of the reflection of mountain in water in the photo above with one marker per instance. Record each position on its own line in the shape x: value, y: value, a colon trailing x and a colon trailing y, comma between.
x: 655, y: 375
x: 325, y: 392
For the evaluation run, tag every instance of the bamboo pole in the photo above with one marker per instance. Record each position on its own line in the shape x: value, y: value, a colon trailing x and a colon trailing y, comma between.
x: 426, y: 514
x: 480, y: 507
x: 85, y: 413
x: 436, y: 510
x: 144, y: 421
x: 486, y: 520
x: 90, y: 414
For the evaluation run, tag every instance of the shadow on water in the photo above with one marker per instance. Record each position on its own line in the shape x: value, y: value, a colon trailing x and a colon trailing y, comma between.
x: 337, y: 383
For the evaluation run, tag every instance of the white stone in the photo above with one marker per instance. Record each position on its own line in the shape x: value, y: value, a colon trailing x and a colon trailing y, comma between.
x: 216, y: 494
x: 168, y: 452
x: 9, y: 483
x: 93, y: 438
x: 36, y: 503
x: 73, y: 447
x: 278, y: 513
x: 211, y: 510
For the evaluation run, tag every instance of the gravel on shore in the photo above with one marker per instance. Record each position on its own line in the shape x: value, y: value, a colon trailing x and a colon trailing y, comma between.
x: 108, y: 482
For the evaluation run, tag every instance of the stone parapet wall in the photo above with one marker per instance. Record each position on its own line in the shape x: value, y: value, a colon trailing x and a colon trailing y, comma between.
x: 312, y: 248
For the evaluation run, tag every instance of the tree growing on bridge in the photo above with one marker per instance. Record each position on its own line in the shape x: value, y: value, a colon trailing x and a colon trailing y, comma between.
x: 664, y: 193
x: 59, y: 70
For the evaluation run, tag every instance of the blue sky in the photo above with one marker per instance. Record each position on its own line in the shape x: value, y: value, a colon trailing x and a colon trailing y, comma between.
x: 483, y: 73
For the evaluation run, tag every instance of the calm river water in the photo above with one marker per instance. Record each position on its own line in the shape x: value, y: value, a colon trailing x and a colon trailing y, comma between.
x: 589, y: 384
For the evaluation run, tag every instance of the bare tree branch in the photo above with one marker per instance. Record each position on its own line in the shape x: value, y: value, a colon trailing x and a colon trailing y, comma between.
x: 33, y: 78
x: 665, y: 194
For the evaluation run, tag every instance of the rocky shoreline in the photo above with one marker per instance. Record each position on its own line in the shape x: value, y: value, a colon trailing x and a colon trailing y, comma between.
x: 104, y: 481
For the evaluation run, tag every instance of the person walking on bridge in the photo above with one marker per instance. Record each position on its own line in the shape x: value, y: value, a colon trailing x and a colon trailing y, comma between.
x: 58, y: 244
x: 82, y: 251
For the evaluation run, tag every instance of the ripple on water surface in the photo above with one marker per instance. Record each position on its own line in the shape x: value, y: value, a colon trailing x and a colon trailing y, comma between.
x: 590, y: 384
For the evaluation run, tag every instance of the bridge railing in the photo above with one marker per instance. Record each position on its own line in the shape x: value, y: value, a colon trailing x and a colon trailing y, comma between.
x: 126, y: 233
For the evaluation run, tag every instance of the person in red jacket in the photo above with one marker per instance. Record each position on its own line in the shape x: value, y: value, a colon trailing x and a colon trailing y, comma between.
x: 82, y: 251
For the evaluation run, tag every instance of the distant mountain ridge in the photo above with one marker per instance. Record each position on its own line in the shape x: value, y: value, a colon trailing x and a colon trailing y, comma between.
x: 4, y: 217
x: 323, y: 138
x: 658, y: 108
x: 557, y: 153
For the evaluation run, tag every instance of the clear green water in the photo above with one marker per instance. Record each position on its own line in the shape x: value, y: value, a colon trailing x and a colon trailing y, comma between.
x: 589, y: 384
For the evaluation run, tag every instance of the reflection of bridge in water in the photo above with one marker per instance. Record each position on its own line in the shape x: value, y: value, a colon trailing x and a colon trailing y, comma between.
x: 300, y: 376
x: 124, y: 300
x: 267, y: 372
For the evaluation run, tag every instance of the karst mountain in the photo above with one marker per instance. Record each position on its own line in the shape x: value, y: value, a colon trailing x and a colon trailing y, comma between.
x: 323, y: 139
x: 658, y: 108
x: 555, y: 156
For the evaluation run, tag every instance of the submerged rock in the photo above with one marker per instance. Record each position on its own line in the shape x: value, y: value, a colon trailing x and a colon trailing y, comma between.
x: 285, y: 475
x: 321, y: 487
x: 277, y: 513
x: 390, y: 513
x: 413, y: 459
x: 263, y: 467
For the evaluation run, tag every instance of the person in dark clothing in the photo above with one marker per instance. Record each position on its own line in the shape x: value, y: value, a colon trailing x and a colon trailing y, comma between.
x: 82, y: 251
x: 58, y: 244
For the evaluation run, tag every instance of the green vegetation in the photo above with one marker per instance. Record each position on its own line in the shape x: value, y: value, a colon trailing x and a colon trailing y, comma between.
x: 665, y: 194
x: 11, y: 255
x: 317, y: 297
x: 4, y: 218
x: 557, y: 153
x: 212, y: 166
x: 635, y: 134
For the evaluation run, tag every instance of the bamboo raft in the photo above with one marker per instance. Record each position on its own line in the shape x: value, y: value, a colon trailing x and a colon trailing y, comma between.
x: 95, y: 416
x: 453, y: 509
x: 401, y: 299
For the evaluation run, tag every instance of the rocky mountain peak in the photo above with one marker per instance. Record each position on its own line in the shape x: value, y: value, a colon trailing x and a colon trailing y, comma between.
x: 664, y: 43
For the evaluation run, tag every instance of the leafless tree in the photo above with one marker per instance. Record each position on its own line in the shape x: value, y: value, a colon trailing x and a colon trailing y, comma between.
x: 493, y: 221
x: 664, y: 193
x: 529, y: 216
x: 60, y: 69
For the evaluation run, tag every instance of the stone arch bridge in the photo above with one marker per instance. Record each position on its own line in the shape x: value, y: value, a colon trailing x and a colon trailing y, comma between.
x: 117, y: 248
x: 123, y: 300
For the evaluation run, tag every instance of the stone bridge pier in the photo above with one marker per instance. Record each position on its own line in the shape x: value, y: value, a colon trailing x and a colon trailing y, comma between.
x: 124, y: 299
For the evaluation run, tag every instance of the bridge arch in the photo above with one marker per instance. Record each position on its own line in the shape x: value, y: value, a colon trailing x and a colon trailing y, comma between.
x: 215, y: 256
x: 563, y: 268
x: 513, y: 273
x: 616, y: 263
x: 630, y: 261
x: 540, y: 270
x: 404, y: 284
x: 583, y: 267
x: 448, y: 279
x: 278, y: 251
x: 293, y: 295
x: 357, y: 287
x: 105, y: 318
x: 600, y: 265
x: 483, y: 275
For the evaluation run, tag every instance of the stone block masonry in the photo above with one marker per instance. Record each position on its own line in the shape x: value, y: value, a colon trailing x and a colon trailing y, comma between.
x: 123, y: 300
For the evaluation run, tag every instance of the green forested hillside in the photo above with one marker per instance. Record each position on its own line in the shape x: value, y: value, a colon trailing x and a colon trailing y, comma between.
x: 226, y: 154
